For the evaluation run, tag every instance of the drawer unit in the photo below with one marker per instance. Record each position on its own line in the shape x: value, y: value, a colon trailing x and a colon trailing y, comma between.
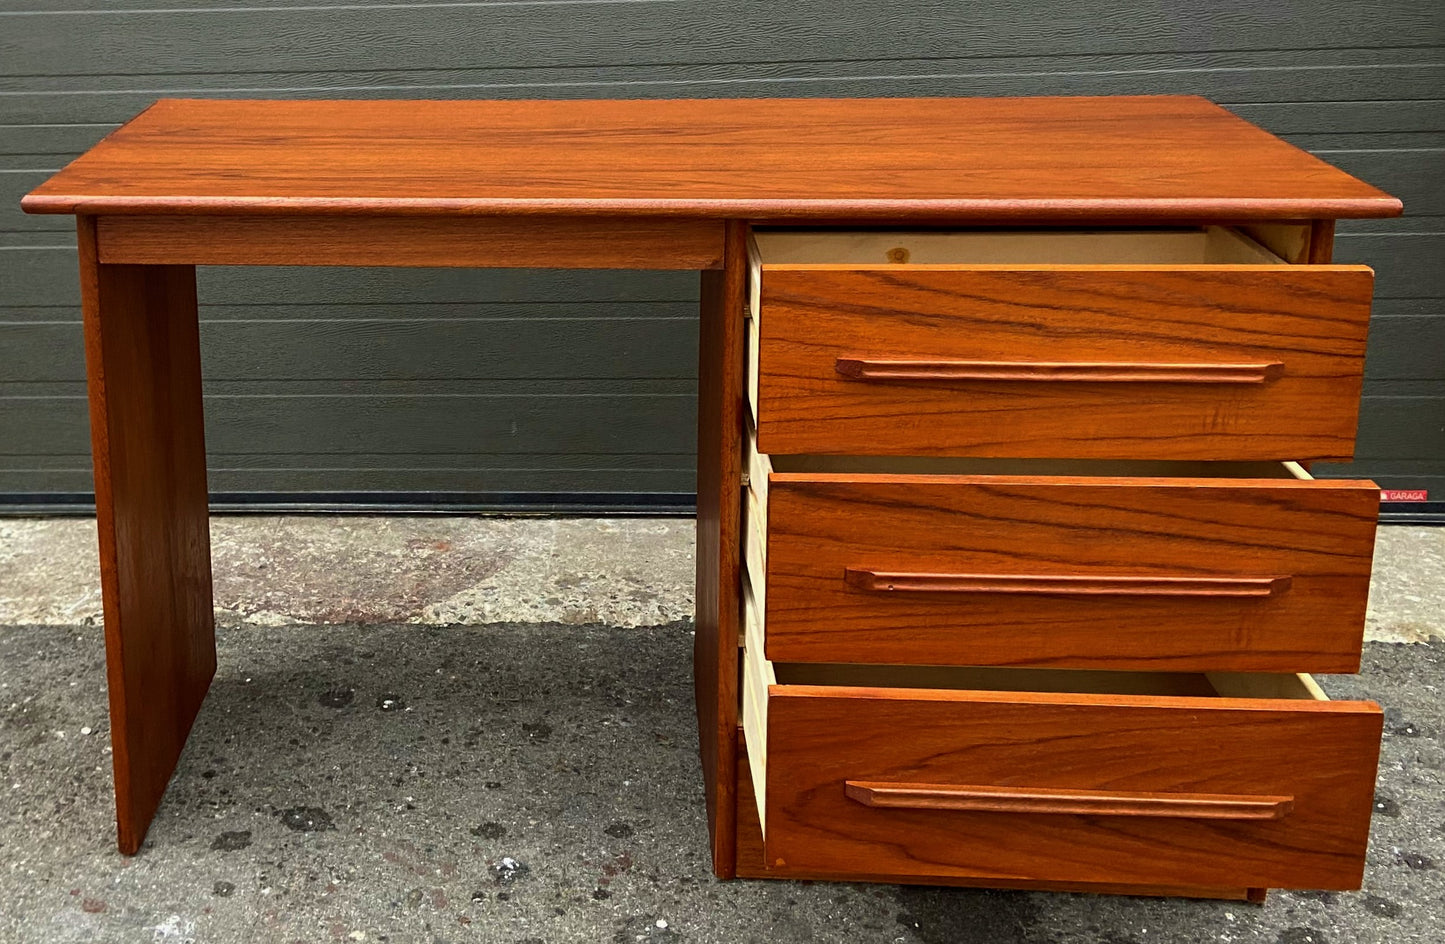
x: 1026, y: 580
x: 1163, y: 344
x: 1163, y: 565
x: 1155, y: 779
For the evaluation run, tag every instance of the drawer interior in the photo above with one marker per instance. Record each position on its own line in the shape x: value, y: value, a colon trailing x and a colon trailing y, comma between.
x: 941, y: 465
x: 1070, y: 681
x: 759, y: 466
x: 991, y: 679
x: 1208, y: 245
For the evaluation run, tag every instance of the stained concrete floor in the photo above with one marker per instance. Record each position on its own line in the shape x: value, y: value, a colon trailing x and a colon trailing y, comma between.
x: 482, y: 730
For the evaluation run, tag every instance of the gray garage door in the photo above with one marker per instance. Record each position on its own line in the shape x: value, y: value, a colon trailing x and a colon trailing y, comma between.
x: 348, y: 381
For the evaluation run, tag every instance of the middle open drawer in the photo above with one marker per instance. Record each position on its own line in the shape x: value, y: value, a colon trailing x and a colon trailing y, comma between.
x: 1108, y: 565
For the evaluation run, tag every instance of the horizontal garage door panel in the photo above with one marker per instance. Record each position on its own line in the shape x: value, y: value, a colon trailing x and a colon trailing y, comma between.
x: 521, y: 380
x: 195, y: 38
x: 483, y: 473
x: 609, y: 344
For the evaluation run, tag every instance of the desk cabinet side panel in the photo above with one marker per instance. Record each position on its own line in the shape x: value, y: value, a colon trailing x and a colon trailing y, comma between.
x: 719, y: 512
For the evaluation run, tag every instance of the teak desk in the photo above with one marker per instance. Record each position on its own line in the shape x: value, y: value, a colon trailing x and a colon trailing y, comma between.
x: 1137, y: 289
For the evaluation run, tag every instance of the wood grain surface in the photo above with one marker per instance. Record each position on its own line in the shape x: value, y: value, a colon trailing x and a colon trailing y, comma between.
x: 534, y: 242
x: 1103, y: 159
x: 1311, y: 320
x: 1322, y: 754
x: 142, y: 352
x: 720, y: 430
x: 1277, y: 572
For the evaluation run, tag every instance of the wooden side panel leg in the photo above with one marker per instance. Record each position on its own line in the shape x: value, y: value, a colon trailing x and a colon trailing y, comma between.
x: 719, y: 512
x: 142, y: 352
x: 1322, y: 242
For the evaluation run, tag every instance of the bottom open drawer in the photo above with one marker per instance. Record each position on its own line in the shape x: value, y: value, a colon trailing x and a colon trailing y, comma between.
x: 1216, y: 779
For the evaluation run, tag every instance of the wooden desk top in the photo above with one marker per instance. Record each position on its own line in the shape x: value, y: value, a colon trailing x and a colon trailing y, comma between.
x: 1002, y: 159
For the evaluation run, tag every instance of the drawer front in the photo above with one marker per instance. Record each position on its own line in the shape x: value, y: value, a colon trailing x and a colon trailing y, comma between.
x: 1147, y: 362
x: 1173, y: 574
x: 1070, y: 788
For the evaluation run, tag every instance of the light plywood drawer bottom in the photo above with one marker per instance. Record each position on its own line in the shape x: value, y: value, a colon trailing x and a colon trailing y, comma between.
x: 1202, y: 780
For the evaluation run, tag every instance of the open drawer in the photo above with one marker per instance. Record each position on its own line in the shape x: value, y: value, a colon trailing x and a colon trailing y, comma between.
x: 1153, y: 344
x: 1059, y: 776
x: 1183, y: 566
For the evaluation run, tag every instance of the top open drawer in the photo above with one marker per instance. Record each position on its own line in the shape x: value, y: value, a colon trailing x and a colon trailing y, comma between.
x: 1158, y: 344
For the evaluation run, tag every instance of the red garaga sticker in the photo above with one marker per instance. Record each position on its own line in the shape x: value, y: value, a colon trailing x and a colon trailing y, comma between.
x: 1403, y: 494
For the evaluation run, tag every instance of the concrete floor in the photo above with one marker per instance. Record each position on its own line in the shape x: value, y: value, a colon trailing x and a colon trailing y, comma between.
x: 445, y: 729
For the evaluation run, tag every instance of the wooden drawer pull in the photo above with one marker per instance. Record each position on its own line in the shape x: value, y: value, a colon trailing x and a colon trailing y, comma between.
x: 934, y: 796
x: 893, y: 371
x: 890, y: 582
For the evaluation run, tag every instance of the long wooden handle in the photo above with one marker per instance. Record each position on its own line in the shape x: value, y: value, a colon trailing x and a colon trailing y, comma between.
x: 881, y: 581
x: 936, y: 796
x: 927, y: 371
